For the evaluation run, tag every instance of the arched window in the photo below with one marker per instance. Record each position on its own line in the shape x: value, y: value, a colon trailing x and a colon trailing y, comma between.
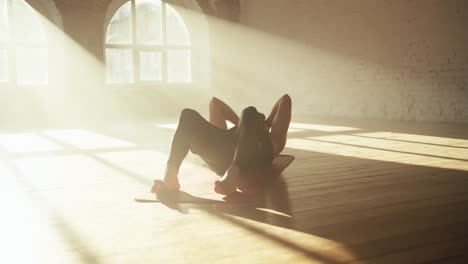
x: 23, y: 45
x: 147, y: 41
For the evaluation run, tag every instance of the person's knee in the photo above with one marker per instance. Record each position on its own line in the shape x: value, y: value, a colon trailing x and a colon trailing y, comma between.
x: 214, y: 103
x: 189, y: 119
x: 214, y: 100
x: 286, y: 100
x: 187, y: 114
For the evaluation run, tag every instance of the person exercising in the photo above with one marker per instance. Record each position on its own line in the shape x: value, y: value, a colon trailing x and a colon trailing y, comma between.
x: 253, y: 142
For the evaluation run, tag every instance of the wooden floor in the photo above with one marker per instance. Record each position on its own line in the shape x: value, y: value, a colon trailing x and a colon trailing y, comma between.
x: 358, y: 192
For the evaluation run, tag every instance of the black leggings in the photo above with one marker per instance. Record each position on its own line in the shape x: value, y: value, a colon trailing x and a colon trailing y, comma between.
x: 248, y: 145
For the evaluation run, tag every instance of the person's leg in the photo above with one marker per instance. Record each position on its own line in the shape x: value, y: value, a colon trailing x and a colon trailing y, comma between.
x: 198, y: 135
x: 220, y: 112
x: 246, y: 142
x: 279, y: 119
x: 248, y: 135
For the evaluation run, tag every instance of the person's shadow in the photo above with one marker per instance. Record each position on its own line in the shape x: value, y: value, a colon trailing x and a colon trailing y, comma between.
x: 269, y: 204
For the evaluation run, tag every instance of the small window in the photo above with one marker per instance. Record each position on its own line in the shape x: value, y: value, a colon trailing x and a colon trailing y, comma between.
x: 147, y: 42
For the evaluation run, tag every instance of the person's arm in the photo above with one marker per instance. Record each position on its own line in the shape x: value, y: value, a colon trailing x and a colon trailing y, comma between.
x: 225, y: 110
x: 271, y: 117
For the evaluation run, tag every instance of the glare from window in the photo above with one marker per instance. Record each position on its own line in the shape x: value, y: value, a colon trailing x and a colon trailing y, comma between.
x: 178, y: 66
x: 3, y: 65
x: 28, y: 28
x: 156, y: 48
x: 176, y: 30
x: 119, y: 65
x: 23, y: 52
x: 28, y: 72
x: 150, y: 65
x: 4, y: 34
x: 120, y: 27
x: 149, y: 22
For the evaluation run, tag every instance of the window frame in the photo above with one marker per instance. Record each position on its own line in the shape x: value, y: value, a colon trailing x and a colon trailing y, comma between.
x: 135, y: 48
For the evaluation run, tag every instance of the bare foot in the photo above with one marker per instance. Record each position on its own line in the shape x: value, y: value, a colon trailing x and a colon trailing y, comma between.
x: 228, y: 183
x: 170, y: 182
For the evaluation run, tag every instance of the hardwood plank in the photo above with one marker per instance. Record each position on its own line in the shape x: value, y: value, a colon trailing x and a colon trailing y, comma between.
x: 327, y: 198
x: 425, y: 253
x: 458, y: 259
x: 372, y: 208
x: 357, y: 231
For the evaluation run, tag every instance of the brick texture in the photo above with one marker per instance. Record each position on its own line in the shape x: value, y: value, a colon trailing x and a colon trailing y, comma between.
x: 386, y: 59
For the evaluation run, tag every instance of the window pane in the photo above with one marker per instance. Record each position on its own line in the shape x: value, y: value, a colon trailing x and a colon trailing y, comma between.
x: 179, y: 68
x: 120, y: 26
x: 28, y: 26
x: 3, y: 21
x: 119, y: 65
x: 177, y: 33
x: 149, y: 25
x: 3, y: 65
x: 31, y: 65
x: 150, y: 66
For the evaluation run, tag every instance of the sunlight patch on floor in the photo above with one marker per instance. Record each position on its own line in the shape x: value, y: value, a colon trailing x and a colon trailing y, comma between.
x: 271, y: 211
x: 71, y: 171
x: 385, y: 150
x: 28, y: 232
x: 398, y: 146
x: 29, y: 236
x: 422, y: 139
x: 316, y: 127
x: 173, y: 126
x: 147, y: 163
x: 26, y: 143
x: 87, y: 140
